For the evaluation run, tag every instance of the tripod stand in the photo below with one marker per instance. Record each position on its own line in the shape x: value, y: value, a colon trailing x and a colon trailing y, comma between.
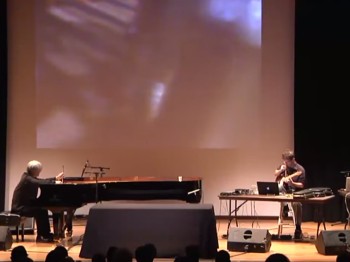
x: 346, y: 175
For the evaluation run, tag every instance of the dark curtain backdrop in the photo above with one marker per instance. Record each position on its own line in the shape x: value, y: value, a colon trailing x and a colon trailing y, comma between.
x: 3, y: 99
x: 322, y: 135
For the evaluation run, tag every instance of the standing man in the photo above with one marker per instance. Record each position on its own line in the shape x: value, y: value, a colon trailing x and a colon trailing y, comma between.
x: 25, y: 194
x: 291, y: 177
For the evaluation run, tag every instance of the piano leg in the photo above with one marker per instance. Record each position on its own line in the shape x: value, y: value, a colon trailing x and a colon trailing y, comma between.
x: 58, y: 219
x: 69, y: 222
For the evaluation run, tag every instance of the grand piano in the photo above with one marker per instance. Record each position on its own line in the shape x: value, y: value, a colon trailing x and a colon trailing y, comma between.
x: 75, y: 192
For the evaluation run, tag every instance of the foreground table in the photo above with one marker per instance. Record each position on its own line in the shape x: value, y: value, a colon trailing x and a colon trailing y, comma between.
x: 170, y: 227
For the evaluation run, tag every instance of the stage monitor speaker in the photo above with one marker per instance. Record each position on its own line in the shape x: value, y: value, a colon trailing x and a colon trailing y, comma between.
x: 249, y: 240
x: 332, y: 242
x: 5, y: 238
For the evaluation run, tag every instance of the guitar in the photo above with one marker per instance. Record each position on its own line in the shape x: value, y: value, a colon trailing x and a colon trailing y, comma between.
x: 282, y: 179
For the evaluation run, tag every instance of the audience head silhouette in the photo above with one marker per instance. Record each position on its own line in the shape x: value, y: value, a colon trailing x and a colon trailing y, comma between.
x: 98, y: 258
x: 19, y: 254
x: 112, y: 250
x: 277, y: 257
x: 56, y: 255
x: 67, y: 259
x: 222, y: 256
x: 343, y: 257
x: 181, y: 259
x: 152, y: 250
x: 122, y: 255
x: 61, y: 252
x: 145, y: 253
x: 192, y: 253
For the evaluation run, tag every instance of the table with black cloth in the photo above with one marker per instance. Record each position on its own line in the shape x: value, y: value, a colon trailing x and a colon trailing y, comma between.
x: 170, y: 227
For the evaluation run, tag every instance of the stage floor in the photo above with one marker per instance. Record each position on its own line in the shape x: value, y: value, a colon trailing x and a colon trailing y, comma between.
x: 296, y: 251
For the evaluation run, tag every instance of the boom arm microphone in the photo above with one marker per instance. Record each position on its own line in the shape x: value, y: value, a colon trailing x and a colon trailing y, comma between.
x: 99, y: 167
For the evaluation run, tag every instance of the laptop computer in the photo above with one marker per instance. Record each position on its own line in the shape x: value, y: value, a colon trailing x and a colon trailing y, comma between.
x: 268, y: 188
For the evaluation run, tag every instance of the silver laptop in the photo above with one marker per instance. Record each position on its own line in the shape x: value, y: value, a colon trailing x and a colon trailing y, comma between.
x: 268, y: 188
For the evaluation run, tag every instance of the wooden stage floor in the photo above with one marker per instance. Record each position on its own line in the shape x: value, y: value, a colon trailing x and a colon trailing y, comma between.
x: 296, y: 251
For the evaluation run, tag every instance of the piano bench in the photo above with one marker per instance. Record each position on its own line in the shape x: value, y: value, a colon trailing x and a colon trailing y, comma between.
x: 21, y: 224
x: 13, y: 220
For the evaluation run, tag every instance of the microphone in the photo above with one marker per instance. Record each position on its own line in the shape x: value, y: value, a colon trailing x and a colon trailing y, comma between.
x: 283, y: 168
x: 87, y: 164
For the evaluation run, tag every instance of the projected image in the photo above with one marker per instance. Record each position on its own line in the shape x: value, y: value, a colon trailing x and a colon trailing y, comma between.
x: 150, y: 73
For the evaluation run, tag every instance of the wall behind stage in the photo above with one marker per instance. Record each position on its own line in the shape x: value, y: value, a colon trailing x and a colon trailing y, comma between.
x: 223, y: 167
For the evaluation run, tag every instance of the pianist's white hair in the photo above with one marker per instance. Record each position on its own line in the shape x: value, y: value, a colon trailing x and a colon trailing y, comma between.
x: 34, y: 165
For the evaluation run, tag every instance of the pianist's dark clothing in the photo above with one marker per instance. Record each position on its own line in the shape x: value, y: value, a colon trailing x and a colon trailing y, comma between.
x: 22, y: 202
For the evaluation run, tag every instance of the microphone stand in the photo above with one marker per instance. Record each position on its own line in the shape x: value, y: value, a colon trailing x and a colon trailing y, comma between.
x: 97, y: 174
x: 101, y: 172
x: 96, y: 187
x: 83, y: 172
x: 87, y: 164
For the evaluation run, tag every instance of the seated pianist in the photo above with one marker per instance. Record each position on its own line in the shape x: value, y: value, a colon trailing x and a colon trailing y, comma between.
x: 25, y: 194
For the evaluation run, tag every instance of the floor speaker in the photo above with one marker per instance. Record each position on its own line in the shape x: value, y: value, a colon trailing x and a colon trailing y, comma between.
x: 333, y: 242
x: 249, y: 240
x: 5, y: 238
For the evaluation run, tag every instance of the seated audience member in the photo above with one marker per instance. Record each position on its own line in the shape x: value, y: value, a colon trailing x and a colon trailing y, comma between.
x: 67, y: 259
x: 122, y: 255
x: 61, y: 251
x: 145, y: 253
x: 98, y: 257
x: 152, y: 250
x: 19, y: 254
x: 222, y: 256
x: 112, y: 250
x: 25, y: 194
x: 192, y: 252
x: 181, y: 259
x: 277, y: 257
x: 52, y: 256
x: 57, y: 254
x: 343, y: 257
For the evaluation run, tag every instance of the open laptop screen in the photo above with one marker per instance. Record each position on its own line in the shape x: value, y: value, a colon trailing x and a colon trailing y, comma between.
x: 268, y: 188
